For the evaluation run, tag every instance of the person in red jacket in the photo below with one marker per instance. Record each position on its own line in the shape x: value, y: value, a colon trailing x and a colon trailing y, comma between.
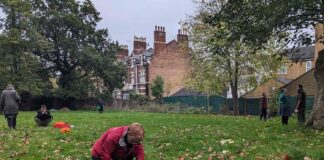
x: 120, y: 143
x: 263, y: 106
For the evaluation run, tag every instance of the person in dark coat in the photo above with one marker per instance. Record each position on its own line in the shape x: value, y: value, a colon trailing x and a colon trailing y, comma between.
x: 100, y: 105
x: 263, y: 107
x: 9, y: 105
x: 284, y: 109
x: 301, y: 105
x: 43, y: 117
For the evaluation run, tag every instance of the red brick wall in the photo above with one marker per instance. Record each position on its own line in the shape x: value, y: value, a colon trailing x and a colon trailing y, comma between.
x: 171, y: 63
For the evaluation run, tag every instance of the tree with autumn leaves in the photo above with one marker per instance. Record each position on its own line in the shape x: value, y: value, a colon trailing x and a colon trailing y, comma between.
x: 254, y: 22
x: 57, y: 39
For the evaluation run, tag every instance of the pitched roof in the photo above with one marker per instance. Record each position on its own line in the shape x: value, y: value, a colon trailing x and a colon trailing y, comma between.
x: 301, y: 53
x: 149, y: 52
x: 188, y: 92
x: 283, y: 80
x: 307, y: 80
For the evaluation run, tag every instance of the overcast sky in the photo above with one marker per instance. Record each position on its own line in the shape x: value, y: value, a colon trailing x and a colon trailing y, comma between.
x: 126, y: 18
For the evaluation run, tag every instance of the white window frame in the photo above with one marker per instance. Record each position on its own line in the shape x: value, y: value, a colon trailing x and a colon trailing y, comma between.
x: 126, y: 96
x: 142, y: 76
x: 308, y: 65
x: 132, y: 77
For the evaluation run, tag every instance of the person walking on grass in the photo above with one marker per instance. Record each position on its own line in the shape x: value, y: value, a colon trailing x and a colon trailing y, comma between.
x: 122, y: 143
x: 9, y: 105
x: 43, y: 117
x: 284, y: 109
x: 263, y: 107
x: 301, y: 105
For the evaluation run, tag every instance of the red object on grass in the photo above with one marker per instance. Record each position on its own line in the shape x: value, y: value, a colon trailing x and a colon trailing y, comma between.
x: 65, y: 130
x: 61, y: 125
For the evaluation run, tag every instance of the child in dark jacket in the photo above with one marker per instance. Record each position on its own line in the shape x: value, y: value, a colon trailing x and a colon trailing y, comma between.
x: 43, y: 117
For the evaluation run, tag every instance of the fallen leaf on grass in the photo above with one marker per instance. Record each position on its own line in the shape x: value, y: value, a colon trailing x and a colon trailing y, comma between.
x: 225, y: 152
x: 242, y: 154
x: 64, y: 141
x: 26, y: 139
x: 181, y: 158
x: 56, y: 151
x: 224, y: 141
x: 285, y: 157
x: 17, y: 154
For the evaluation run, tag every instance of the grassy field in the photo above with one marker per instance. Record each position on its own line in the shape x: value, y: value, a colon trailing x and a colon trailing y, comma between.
x: 167, y: 136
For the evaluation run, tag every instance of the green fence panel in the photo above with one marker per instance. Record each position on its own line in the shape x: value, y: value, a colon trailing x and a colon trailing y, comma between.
x: 241, y: 106
x: 253, y: 106
x: 292, y: 101
x: 310, y: 102
x: 241, y: 103
x: 217, y: 103
x: 190, y: 101
x: 246, y: 106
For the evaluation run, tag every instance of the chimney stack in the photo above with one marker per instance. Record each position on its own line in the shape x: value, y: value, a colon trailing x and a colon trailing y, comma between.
x: 123, y: 52
x: 159, y: 38
x: 139, y: 44
x: 182, y: 37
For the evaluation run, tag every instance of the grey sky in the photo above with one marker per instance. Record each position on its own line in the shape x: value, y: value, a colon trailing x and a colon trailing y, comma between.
x: 126, y: 18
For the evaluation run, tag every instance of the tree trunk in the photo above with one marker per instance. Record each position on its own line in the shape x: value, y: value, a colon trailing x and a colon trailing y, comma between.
x: 235, y: 101
x: 316, y: 119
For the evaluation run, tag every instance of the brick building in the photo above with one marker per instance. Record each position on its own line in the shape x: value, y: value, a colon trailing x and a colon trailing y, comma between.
x: 170, y: 60
x: 301, y: 61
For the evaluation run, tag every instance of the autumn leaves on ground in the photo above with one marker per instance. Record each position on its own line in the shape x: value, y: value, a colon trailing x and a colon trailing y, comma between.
x: 167, y: 136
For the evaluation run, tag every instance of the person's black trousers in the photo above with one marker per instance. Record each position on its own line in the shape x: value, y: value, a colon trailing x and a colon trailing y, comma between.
x: 11, y: 120
x: 263, y: 114
x: 284, y: 120
x: 301, y: 117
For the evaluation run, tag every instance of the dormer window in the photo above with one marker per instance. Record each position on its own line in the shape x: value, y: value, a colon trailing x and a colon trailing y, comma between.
x: 308, y: 65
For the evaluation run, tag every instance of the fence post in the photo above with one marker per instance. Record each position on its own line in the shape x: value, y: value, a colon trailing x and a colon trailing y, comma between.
x: 207, y: 104
x: 245, y: 106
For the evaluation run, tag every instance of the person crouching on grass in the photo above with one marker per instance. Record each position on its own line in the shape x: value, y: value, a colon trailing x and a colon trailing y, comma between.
x: 43, y: 117
x: 120, y: 143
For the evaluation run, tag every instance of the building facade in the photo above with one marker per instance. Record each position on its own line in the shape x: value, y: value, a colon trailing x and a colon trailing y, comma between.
x: 170, y: 60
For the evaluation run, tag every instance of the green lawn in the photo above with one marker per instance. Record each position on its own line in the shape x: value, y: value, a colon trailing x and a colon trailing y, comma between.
x: 167, y: 136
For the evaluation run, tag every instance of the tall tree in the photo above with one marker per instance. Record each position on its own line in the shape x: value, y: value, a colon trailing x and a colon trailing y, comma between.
x: 256, y: 21
x: 220, y: 63
x: 70, y: 47
x: 17, y: 65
